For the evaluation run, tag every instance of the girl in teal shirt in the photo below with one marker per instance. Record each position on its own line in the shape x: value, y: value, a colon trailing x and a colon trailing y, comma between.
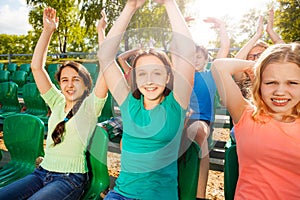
x: 153, y: 108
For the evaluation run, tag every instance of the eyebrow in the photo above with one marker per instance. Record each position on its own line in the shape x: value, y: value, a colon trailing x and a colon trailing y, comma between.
x: 65, y: 77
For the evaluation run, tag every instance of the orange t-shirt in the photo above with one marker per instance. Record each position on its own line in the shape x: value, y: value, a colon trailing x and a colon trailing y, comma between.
x: 269, y: 158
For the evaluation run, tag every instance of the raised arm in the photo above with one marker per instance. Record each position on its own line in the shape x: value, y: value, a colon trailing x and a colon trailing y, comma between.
x: 224, y: 38
x: 100, y: 86
x: 183, y: 53
x: 108, y: 49
x: 102, y: 24
x: 122, y: 59
x: 243, y: 52
x: 41, y: 77
x: 270, y: 30
x: 222, y: 70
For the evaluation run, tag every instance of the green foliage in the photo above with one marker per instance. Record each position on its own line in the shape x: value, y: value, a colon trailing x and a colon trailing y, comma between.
x: 15, y: 44
x: 287, y: 19
x: 71, y: 35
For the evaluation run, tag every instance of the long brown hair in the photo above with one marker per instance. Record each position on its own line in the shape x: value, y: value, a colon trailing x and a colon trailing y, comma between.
x: 57, y: 134
x: 278, y: 53
x: 165, y: 60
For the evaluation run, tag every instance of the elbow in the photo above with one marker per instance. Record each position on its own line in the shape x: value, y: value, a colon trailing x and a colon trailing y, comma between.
x: 216, y: 65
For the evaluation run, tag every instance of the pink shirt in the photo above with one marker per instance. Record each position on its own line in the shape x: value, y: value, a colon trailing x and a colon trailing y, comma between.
x: 269, y: 159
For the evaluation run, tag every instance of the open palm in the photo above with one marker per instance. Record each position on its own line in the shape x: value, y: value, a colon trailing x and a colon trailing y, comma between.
x: 50, y: 20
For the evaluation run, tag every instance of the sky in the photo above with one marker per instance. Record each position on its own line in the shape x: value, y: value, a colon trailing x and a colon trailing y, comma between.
x: 14, y: 15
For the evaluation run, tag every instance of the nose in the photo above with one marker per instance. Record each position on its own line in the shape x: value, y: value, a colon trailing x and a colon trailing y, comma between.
x: 149, y: 79
x: 280, y: 90
x: 70, y: 83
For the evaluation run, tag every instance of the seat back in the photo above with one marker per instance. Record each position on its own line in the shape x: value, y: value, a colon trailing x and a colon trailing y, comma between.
x: 30, y: 78
x: 52, y: 69
x: 93, y: 68
x: 188, y: 172
x: 24, y: 139
x: 23, y: 136
x: 1, y: 66
x: 25, y: 67
x: 12, y: 67
x: 9, y: 97
x: 4, y: 76
x: 231, y: 172
x: 20, y: 78
x: 108, y: 109
x: 96, y: 156
x: 34, y: 103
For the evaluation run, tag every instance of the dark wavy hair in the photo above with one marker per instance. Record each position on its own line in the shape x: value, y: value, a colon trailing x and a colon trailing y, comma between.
x: 168, y: 66
x: 57, y: 134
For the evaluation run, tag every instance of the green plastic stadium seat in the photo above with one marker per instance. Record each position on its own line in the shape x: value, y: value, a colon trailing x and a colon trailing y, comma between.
x: 25, y: 67
x: 35, y: 104
x: 9, y: 100
x: 108, y: 109
x: 2, y: 66
x: 97, y: 163
x: 93, y: 68
x: 231, y: 172
x: 23, y: 136
x: 20, y: 78
x: 11, y: 67
x: 4, y: 76
x: 52, y: 69
x: 188, y: 172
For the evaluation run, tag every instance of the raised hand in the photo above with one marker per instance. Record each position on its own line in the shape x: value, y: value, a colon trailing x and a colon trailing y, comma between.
x: 270, y: 21
x: 50, y: 21
x: 260, y: 27
x: 102, y: 24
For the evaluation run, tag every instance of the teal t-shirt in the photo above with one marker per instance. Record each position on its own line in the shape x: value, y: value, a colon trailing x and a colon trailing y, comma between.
x: 150, y: 145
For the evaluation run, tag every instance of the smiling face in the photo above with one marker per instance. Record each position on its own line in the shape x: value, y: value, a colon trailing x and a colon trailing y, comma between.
x: 280, y: 88
x: 72, y: 85
x: 151, y: 78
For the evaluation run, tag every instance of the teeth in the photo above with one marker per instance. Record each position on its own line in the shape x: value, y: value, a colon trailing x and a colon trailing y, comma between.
x: 280, y: 101
x: 150, y: 89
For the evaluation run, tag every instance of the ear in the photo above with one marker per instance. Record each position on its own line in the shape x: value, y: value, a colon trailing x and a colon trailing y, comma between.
x: 168, y: 79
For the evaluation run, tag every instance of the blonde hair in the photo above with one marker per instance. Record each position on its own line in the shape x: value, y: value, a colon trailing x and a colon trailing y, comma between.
x: 278, y: 53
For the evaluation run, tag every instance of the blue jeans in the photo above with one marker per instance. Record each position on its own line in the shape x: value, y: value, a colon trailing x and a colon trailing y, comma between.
x: 113, y: 195
x: 43, y: 184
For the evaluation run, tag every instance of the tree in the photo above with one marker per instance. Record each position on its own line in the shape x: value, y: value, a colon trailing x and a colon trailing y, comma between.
x: 148, y: 25
x: 15, y: 44
x: 287, y: 19
x: 70, y: 34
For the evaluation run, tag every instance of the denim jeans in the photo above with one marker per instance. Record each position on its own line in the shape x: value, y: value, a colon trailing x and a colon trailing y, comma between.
x: 43, y: 184
x: 113, y: 195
